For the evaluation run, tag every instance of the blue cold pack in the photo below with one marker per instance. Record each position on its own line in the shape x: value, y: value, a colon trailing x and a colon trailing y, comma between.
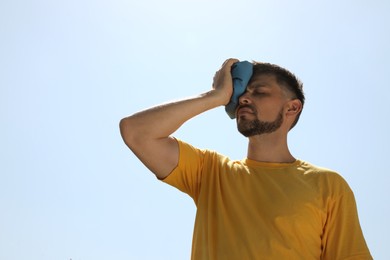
x: 241, y: 74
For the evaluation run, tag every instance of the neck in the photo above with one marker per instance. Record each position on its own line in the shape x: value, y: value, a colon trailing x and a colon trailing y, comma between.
x: 269, y: 148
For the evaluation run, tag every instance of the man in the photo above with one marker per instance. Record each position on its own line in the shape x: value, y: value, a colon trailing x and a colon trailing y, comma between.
x: 267, y: 206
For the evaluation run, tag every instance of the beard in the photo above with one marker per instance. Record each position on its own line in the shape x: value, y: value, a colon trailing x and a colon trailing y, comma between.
x: 257, y: 127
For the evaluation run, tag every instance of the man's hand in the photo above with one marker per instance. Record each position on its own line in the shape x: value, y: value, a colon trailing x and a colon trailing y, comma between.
x: 223, y: 83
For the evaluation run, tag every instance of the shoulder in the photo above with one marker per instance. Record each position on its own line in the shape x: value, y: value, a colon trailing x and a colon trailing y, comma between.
x: 328, y: 180
x: 189, y: 151
x: 320, y: 171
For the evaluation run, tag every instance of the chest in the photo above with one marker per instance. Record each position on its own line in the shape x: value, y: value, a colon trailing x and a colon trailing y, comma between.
x: 275, y: 201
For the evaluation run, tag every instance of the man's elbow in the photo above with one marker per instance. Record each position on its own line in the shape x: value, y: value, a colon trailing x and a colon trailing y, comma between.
x: 126, y: 131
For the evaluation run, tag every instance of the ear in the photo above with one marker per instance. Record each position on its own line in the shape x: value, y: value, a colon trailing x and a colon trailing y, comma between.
x: 294, y: 106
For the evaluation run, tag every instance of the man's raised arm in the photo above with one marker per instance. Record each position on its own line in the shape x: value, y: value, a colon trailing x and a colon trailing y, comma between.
x: 147, y: 133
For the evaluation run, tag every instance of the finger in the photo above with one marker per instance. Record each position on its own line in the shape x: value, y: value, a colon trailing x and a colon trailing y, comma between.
x: 228, y: 62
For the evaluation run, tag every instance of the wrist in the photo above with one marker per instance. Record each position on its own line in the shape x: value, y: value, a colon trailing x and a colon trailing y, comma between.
x: 217, y: 97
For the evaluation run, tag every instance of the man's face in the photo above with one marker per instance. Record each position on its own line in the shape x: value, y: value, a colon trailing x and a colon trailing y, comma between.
x: 261, y: 107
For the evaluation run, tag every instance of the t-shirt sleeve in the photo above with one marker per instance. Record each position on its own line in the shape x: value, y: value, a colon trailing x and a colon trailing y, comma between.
x: 342, y: 236
x: 188, y: 173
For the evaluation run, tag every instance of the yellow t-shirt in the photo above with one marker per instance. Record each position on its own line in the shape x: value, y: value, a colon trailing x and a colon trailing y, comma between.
x: 253, y: 210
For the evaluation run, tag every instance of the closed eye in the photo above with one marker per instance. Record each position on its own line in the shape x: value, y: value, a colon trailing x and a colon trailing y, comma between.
x: 259, y: 93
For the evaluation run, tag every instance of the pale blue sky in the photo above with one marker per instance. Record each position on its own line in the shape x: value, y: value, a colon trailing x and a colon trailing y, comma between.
x: 70, y: 70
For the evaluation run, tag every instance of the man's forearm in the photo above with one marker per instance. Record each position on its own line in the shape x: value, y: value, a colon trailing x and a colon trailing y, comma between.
x: 161, y: 121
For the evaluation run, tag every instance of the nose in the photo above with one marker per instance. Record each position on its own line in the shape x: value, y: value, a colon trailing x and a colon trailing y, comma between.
x: 244, y: 98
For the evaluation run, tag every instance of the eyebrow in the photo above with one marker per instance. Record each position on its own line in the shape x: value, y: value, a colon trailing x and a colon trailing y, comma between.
x: 259, y: 84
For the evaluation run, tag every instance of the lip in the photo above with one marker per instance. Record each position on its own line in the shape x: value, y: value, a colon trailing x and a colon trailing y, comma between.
x: 244, y: 110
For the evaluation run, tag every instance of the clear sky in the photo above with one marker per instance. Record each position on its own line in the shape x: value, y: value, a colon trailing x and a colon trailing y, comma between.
x: 70, y: 70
